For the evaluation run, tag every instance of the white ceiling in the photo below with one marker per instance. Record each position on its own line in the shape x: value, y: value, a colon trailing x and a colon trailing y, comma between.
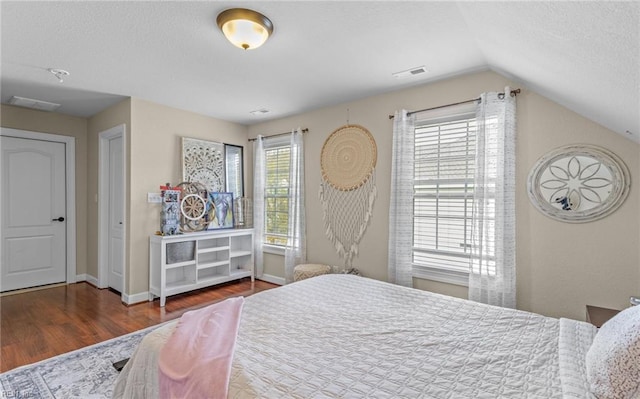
x: 583, y: 55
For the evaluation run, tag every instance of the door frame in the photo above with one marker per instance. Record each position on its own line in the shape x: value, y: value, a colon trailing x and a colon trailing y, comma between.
x: 70, y: 192
x: 103, y: 206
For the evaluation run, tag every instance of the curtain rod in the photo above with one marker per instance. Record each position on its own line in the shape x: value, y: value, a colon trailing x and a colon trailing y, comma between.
x: 305, y: 130
x: 513, y: 93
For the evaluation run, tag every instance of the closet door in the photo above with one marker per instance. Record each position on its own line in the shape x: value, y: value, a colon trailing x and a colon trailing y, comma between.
x: 33, y: 222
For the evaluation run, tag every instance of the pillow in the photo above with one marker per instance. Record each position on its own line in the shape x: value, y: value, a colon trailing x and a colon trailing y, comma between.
x: 613, y: 360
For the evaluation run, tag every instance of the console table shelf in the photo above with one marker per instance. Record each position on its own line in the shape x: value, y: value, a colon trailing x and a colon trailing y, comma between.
x: 187, y: 262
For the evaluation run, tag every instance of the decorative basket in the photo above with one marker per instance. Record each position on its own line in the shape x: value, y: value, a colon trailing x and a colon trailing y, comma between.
x: 181, y: 251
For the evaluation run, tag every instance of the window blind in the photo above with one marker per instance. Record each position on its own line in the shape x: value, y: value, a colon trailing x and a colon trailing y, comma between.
x: 277, y: 162
x: 443, y: 192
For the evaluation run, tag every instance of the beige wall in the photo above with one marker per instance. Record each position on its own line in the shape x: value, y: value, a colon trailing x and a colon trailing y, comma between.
x: 50, y: 122
x: 561, y: 267
x: 115, y: 115
x: 155, y: 156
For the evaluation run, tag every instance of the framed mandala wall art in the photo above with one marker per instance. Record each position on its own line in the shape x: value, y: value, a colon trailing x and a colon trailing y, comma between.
x: 203, y: 162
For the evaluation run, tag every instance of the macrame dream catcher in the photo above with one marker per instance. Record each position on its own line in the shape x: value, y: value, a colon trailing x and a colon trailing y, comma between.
x: 348, y: 189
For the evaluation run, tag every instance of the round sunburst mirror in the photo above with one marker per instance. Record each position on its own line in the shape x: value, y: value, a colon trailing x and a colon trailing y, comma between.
x: 578, y: 183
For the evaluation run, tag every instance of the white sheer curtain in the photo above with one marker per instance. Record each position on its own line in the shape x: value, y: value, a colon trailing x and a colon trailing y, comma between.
x: 401, y: 205
x: 296, y: 249
x: 492, y: 277
x: 258, y: 203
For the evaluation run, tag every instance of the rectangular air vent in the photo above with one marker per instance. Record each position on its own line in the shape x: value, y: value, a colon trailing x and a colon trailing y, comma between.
x: 410, y: 72
x: 33, y: 104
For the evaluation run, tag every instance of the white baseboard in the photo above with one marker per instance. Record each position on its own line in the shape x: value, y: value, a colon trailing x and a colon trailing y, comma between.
x: 88, y: 278
x: 128, y: 299
x: 135, y: 298
x: 272, y: 279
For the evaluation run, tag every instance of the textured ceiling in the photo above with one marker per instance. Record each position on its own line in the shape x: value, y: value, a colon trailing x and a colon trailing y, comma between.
x: 583, y: 55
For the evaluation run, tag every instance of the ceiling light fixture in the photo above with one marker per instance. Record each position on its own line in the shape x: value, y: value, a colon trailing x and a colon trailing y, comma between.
x: 59, y: 73
x: 258, y: 112
x: 246, y: 29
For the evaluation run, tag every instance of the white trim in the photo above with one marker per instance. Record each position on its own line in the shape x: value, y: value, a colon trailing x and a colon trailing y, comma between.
x: 70, y: 168
x: 272, y: 279
x: 92, y: 280
x: 273, y: 249
x: 135, y: 298
x: 103, y: 206
x: 443, y: 276
x: 87, y: 278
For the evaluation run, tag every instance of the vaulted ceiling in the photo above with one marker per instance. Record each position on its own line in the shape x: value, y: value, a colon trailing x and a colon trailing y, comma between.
x: 583, y: 55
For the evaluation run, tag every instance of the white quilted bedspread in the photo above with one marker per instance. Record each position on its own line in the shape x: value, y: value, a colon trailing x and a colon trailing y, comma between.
x: 344, y: 336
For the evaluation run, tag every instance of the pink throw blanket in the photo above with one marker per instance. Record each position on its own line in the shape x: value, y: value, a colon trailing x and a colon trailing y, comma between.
x: 195, y: 362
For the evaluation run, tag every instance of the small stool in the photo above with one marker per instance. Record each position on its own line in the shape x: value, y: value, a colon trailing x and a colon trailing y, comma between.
x: 307, y: 270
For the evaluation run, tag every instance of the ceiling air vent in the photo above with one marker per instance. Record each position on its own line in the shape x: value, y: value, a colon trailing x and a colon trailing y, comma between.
x: 33, y: 104
x: 410, y: 72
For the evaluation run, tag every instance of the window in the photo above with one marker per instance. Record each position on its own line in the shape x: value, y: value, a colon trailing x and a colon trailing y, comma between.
x: 234, y: 171
x: 276, y: 195
x: 443, y: 197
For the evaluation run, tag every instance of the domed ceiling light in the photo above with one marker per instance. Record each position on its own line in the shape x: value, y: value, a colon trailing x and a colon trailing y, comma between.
x: 246, y: 29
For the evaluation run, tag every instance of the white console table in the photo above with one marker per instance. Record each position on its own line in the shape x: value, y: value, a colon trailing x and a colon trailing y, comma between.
x: 185, y: 262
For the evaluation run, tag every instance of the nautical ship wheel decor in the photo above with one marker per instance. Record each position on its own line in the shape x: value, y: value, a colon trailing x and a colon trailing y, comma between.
x: 578, y: 183
x: 193, y: 207
x: 196, y: 208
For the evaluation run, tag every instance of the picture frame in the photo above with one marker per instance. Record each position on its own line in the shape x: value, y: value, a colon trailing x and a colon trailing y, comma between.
x: 223, y: 213
x: 203, y: 162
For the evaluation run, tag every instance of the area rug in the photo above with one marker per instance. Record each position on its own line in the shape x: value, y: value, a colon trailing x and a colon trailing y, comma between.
x: 85, y: 373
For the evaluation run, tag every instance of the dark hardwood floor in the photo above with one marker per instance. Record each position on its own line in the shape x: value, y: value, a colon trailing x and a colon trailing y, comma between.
x: 39, y: 324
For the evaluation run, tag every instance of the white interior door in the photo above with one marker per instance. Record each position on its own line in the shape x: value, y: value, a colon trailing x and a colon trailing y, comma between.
x: 33, y: 198
x: 116, y: 214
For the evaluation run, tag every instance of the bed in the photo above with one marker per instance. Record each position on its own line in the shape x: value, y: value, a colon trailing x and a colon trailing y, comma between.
x: 345, y: 336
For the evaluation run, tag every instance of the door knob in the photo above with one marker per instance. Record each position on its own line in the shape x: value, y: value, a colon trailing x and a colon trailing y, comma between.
x: 60, y: 219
